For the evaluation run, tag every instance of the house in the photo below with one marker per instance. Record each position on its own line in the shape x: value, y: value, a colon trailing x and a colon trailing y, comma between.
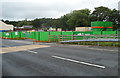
x: 27, y: 26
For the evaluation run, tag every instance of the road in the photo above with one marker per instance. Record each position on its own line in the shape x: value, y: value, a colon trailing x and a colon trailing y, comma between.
x: 58, y: 60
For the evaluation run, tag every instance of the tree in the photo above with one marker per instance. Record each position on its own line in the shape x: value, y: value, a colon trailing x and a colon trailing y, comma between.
x: 79, y: 18
x: 2, y: 20
x: 100, y: 14
x: 56, y: 23
x: 75, y: 18
x: 63, y: 22
x: 37, y: 23
x: 106, y: 14
x: 7, y: 21
x: 115, y: 17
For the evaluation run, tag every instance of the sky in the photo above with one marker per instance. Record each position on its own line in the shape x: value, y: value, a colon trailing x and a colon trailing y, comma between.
x: 31, y: 9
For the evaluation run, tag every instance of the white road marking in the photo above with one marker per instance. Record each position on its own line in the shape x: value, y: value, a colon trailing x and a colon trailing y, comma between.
x: 75, y: 61
x: 102, y: 49
x: 32, y: 52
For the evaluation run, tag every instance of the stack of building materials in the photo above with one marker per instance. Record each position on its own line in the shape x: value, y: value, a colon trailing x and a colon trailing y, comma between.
x: 83, y: 29
x: 101, y: 26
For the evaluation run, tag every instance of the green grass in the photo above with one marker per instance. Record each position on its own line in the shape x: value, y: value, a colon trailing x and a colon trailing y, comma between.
x: 117, y: 44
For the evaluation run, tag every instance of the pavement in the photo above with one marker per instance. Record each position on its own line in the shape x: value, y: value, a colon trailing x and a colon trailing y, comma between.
x: 57, y: 59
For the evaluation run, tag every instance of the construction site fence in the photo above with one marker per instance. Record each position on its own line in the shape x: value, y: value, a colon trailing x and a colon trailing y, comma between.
x: 60, y: 36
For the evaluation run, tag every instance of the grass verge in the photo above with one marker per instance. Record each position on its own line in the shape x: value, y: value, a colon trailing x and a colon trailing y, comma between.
x: 116, y: 44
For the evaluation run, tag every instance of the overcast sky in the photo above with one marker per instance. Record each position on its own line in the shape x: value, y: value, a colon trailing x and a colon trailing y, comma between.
x: 31, y: 9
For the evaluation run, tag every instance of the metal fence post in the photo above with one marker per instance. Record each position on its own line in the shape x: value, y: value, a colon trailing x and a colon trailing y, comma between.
x: 58, y: 38
x: 62, y: 37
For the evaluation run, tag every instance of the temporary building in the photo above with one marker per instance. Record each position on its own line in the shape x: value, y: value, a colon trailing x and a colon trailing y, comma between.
x: 83, y: 29
x: 5, y: 27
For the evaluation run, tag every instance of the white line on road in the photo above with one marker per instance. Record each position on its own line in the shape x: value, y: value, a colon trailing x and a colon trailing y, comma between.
x: 32, y: 52
x: 75, y: 61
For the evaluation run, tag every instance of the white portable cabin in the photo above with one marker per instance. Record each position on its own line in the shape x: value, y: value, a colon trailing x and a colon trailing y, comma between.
x: 4, y: 26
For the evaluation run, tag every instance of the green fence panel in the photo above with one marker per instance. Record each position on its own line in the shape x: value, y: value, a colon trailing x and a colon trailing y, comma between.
x: 88, y: 33
x: 37, y: 36
x: 97, y: 29
x: 78, y: 37
x: 118, y: 32
x: 3, y: 34
x: 0, y: 34
x: 67, y: 37
x: 27, y: 35
x: 98, y: 24
x: 97, y: 32
x: 30, y: 35
x: 44, y: 36
x: 82, y: 33
x: 23, y: 35
x: 109, y: 32
x: 108, y: 24
x: 16, y: 34
x: 109, y: 29
x: 101, y: 24
x: 33, y: 36
x: 13, y: 34
x: 66, y: 33
x: 56, y: 35
x: 8, y: 35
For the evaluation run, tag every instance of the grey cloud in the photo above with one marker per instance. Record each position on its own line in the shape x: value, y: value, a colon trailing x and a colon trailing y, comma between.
x: 31, y: 10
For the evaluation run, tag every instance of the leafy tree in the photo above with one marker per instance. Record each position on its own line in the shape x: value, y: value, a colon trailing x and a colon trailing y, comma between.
x: 115, y: 17
x: 100, y: 14
x: 79, y: 18
x: 106, y: 14
x: 37, y: 23
x: 75, y: 18
x: 7, y: 21
x: 63, y: 22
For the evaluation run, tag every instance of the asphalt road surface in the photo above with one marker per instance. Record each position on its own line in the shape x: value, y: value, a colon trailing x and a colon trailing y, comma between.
x: 58, y: 60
